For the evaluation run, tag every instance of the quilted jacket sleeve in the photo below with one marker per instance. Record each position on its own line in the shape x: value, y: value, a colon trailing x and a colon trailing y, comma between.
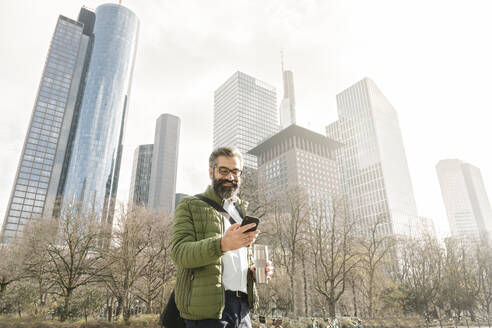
x: 186, y: 251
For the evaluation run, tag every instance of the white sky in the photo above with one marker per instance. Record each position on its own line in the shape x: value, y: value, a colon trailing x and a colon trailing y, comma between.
x: 431, y: 58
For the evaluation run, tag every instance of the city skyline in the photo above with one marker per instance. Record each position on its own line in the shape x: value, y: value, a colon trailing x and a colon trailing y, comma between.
x: 435, y: 75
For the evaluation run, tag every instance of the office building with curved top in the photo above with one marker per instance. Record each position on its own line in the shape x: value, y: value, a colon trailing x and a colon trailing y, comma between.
x: 72, y: 149
x: 93, y: 171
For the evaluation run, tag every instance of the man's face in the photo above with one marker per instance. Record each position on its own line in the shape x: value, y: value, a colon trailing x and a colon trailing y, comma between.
x: 225, y: 176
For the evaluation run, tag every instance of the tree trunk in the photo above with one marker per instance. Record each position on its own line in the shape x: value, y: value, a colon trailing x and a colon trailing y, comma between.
x: 331, y: 308
x: 370, y: 296
x: 66, y: 306
x: 119, y: 306
x: 306, y: 299
x: 126, y: 314
x: 354, y: 296
x: 109, y: 308
x: 3, y: 287
x: 292, y: 289
x: 149, y: 306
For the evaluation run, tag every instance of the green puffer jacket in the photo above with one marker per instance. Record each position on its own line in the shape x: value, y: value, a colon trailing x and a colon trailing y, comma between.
x: 198, y: 229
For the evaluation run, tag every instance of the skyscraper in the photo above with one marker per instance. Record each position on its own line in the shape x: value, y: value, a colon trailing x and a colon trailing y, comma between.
x: 298, y: 157
x: 287, y: 108
x: 244, y: 114
x: 465, y: 198
x: 140, y: 181
x: 93, y: 170
x: 162, y: 188
x: 373, y: 165
x: 72, y: 149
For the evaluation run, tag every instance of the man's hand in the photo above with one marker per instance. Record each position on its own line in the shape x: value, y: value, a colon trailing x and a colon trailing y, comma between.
x: 268, y: 270
x: 235, y: 237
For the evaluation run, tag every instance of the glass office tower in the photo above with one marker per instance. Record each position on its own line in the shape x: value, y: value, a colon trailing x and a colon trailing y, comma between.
x: 44, y: 146
x: 81, y: 104
x: 92, y: 175
x: 140, y: 182
x: 244, y: 114
x: 372, y: 162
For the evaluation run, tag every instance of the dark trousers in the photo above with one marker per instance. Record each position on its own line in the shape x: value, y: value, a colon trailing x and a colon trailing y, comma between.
x: 235, y: 315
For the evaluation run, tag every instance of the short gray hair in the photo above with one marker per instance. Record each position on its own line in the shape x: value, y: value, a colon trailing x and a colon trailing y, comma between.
x: 224, y: 151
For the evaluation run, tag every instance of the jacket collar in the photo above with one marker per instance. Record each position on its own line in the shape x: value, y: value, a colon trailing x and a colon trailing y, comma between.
x: 212, y: 195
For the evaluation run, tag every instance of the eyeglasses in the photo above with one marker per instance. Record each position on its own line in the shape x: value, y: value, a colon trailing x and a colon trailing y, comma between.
x: 225, y: 171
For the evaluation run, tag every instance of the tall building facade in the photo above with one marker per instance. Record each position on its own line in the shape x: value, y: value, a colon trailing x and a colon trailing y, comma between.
x: 93, y: 170
x: 244, y: 114
x: 298, y: 157
x: 465, y: 198
x: 140, y: 181
x: 373, y: 166
x: 162, y: 187
x: 287, y: 108
x: 81, y: 104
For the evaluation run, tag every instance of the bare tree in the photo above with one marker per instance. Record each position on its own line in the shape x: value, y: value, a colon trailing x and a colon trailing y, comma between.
x: 73, y: 254
x: 332, y: 244
x: 461, y: 279
x: 10, y: 268
x: 422, y: 269
x: 375, y: 251
x: 289, y: 214
x: 133, y: 251
x: 483, y: 255
x: 159, y: 269
x: 36, y: 265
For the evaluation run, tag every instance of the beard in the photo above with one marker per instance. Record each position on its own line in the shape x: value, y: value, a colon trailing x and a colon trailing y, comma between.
x: 225, y: 192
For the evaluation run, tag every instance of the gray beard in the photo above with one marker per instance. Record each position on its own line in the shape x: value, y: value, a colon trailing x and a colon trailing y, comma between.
x: 225, y: 192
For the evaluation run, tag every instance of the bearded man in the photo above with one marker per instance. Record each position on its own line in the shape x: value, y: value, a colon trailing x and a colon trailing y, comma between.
x: 215, y: 282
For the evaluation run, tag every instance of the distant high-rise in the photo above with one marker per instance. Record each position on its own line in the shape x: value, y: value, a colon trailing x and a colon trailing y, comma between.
x: 162, y: 189
x: 288, y: 104
x: 298, y: 157
x: 373, y: 165
x: 72, y: 149
x: 465, y: 198
x: 244, y: 114
x: 140, y: 182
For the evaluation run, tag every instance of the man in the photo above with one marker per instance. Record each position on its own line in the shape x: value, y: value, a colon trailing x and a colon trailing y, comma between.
x: 215, y: 283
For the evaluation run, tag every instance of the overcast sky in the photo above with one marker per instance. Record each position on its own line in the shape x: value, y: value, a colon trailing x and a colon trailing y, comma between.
x: 431, y: 58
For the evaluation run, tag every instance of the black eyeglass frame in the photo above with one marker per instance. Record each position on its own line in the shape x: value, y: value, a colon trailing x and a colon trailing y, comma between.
x: 225, y: 171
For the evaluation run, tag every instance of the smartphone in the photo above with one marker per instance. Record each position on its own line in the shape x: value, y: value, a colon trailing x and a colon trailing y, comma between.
x: 248, y: 220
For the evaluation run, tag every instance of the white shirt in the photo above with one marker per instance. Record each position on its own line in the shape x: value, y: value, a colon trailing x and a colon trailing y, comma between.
x: 234, y: 263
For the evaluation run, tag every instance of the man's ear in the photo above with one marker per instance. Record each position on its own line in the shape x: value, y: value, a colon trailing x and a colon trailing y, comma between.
x: 211, y: 173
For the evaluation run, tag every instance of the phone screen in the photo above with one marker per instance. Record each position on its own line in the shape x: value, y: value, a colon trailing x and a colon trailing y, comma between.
x: 248, y: 220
